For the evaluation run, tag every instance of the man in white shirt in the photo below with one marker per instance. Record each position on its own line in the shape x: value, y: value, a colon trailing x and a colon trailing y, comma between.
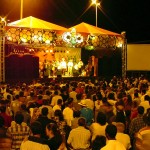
x: 145, y: 103
x: 68, y: 112
x: 73, y: 94
x: 70, y: 67
x: 58, y: 106
x: 35, y: 141
x: 112, y: 143
x: 63, y: 66
x: 121, y: 137
x: 55, y: 98
x: 79, y: 138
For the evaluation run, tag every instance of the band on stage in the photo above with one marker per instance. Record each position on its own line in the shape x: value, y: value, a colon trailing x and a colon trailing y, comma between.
x: 64, y: 68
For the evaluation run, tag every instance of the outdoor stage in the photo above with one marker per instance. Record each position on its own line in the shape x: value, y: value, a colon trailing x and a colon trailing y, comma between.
x: 28, y: 47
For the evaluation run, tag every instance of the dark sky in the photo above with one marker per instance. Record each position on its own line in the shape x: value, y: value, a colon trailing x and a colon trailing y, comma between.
x: 132, y: 16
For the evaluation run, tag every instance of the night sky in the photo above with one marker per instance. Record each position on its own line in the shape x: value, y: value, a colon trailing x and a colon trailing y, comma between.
x: 132, y: 16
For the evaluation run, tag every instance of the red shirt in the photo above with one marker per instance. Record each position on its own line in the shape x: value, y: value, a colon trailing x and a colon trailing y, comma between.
x: 7, y: 119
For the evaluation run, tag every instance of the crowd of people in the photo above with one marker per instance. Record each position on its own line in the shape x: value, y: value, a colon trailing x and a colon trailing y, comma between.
x: 76, y: 115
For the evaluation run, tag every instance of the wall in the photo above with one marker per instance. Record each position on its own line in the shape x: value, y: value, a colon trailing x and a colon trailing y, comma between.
x: 138, y: 57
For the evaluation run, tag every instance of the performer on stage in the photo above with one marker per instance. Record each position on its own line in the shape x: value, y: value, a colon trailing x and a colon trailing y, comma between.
x: 63, y: 65
x: 70, y: 67
x: 80, y: 65
x: 46, y: 69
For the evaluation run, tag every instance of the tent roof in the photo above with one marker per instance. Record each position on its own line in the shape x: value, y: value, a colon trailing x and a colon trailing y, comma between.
x: 32, y: 22
x: 87, y: 28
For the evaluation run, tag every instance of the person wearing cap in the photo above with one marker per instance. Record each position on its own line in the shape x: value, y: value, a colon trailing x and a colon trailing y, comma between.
x: 86, y: 112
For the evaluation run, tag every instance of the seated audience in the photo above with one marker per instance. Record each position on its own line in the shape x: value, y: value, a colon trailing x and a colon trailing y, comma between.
x: 5, y: 142
x: 99, y: 142
x: 35, y: 141
x: 54, y: 137
x: 44, y: 120
x: 79, y: 138
x: 18, y: 131
x: 112, y: 143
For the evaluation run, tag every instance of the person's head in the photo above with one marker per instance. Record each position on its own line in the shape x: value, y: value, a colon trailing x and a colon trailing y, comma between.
x: 111, y: 96
x: 99, y: 96
x: 47, y: 92
x: 147, y: 118
x: 19, y: 118
x: 120, y: 127
x: 120, y: 116
x: 36, y: 128
x: 111, y: 131
x: 76, y: 114
x: 136, y: 95
x: 59, y: 102
x: 21, y: 94
x: 146, y: 98
x: 3, y: 109
x: 73, y: 89
x: 17, y: 96
x: 31, y: 93
x: 1, y: 121
x: 36, y: 111
x: 140, y: 110
x: 82, y: 122
x: 52, y: 129
x: 98, y: 142
x: 101, y: 118
x: 56, y: 92
x: 23, y: 107
x: 40, y: 97
x: 143, y: 91
x: 44, y: 111
x: 70, y: 102
x: 58, y: 115
x: 45, y: 101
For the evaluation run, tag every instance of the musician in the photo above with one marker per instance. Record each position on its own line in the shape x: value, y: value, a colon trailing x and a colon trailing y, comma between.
x: 63, y: 65
x: 46, y: 69
x: 80, y: 65
x: 70, y: 67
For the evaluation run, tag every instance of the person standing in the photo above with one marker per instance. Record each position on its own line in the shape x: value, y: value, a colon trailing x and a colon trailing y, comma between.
x: 63, y: 66
x: 70, y: 67
x: 68, y: 112
x: 80, y: 65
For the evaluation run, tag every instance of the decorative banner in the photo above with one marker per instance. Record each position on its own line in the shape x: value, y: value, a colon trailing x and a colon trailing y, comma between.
x: 30, y: 36
x: 38, y: 37
x: 72, y: 38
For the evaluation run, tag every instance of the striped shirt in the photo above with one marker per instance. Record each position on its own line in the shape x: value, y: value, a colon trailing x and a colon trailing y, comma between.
x: 17, y: 133
x: 79, y: 138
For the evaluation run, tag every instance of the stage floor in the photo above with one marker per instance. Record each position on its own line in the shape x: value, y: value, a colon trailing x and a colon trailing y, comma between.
x: 52, y: 78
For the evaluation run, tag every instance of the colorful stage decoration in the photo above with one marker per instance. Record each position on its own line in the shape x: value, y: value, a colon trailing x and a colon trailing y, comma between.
x: 72, y: 38
x: 31, y: 36
x: 36, y: 33
x: 104, y: 41
x: 36, y: 37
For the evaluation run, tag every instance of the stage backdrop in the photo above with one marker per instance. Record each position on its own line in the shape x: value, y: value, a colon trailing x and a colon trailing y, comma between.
x: 67, y: 53
x: 21, y: 68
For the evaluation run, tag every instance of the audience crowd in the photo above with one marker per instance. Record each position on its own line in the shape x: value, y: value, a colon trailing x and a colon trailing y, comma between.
x: 76, y: 115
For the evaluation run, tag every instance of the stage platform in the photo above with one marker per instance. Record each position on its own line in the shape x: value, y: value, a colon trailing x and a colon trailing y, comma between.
x: 57, y: 79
